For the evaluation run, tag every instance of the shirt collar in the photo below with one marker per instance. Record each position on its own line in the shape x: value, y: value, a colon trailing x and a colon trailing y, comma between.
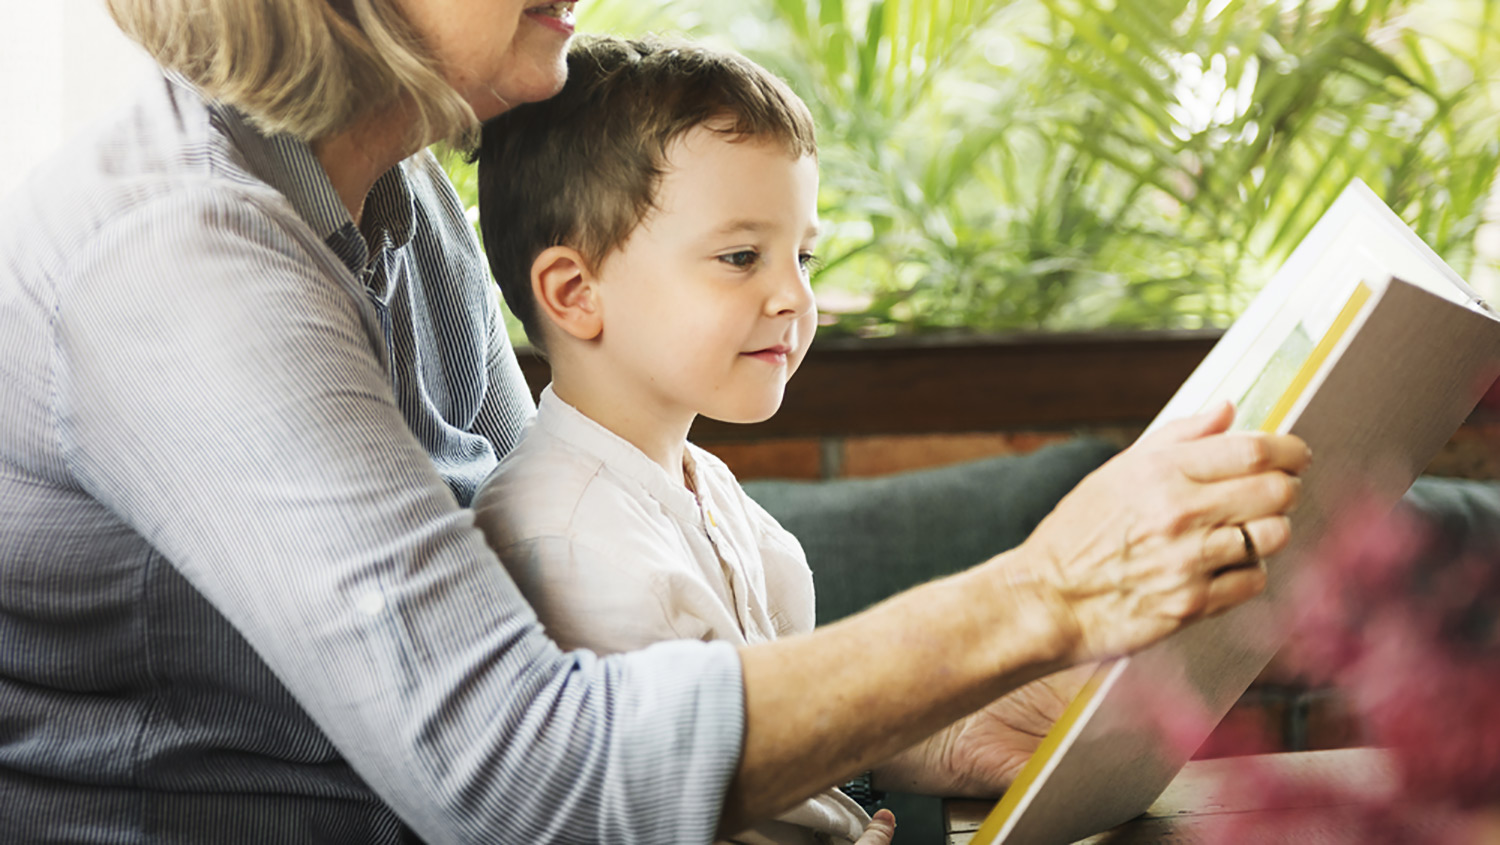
x: 569, y: 424
x: 390, y: 209
x: 288, y: 165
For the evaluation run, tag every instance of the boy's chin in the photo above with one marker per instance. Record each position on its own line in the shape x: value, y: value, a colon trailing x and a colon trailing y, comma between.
x: 744, y: 416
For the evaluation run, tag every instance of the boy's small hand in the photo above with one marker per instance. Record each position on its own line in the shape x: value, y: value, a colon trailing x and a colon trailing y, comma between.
x: 881, y: 830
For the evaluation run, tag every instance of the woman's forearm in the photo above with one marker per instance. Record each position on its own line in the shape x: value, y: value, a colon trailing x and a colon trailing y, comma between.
x: 879, y: 682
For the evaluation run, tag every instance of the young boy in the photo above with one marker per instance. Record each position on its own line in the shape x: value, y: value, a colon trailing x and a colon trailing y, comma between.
x: 663, y: 269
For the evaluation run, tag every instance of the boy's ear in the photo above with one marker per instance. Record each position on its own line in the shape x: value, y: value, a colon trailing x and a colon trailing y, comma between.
x: 567, y: 292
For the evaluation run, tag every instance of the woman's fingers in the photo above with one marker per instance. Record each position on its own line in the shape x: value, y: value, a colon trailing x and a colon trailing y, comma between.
x: 880, y: 830
x: 1232, y: 565
x: 1225, y: 546
x: 1160, y: 511
x: 1240, y: 545
x: 1229, y: 477
x: 1234, y: 586
x: 1211, y: 421
x: 1211, y: 459
x: 1170, y: 531
x: 1268, y: 534
x: 1235, y: 547
x: 1234, y: 479
x: 1206, y: 458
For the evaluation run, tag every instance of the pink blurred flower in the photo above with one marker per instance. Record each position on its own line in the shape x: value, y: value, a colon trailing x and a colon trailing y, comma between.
x: 1406, y: 629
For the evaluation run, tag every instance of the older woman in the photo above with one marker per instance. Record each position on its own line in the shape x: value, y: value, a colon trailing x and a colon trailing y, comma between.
x: 250, y: 373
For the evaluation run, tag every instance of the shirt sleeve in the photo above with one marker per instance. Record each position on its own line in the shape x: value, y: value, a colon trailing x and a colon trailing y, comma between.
x: 607, y: 601
x: 219, y: 390
x: 602, y: 566
x: 507, y: 403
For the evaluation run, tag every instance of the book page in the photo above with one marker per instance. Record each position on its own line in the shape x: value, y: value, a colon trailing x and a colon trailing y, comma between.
x: 1293, y: 364
x: 1358, y: 241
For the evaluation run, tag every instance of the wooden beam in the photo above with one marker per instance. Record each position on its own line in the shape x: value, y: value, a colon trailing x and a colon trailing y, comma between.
x: 900, y: 386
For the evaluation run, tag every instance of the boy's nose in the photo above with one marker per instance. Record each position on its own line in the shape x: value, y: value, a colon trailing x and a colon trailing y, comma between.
x: 793, y: 295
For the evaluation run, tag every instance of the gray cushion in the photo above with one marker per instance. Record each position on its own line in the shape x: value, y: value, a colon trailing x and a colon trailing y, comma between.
x: 1466, y: 512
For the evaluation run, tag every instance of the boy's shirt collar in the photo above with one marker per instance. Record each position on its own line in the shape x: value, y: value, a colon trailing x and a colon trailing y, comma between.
x: 569, y: 424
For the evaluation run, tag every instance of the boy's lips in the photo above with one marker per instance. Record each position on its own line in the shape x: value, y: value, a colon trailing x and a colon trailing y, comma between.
x: 556, y: 15
x: 771, y: 354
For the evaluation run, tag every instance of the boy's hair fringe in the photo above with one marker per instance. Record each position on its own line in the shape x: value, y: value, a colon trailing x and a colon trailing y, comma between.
x: 582, y: 168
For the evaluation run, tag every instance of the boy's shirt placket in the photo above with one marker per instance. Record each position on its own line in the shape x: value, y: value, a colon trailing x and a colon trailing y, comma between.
x: 746, y: 591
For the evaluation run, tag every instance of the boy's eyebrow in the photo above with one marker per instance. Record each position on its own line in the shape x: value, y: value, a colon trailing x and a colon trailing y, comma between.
x: 757, y: 226
x: 744, y: 225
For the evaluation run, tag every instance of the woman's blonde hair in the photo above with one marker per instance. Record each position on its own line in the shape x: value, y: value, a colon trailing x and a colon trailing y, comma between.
x: 306, y: 68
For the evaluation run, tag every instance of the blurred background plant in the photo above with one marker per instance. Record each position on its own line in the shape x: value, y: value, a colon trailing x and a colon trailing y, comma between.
x: 1003, y: 165
x: 1398, y: 613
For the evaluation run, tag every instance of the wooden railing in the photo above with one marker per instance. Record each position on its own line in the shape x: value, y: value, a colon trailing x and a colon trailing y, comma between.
x: 898, y: 386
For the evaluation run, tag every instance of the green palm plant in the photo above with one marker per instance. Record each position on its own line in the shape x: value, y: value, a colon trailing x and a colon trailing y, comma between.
x: 1061, y: 164
x: 1145, y: 163
x: 1300, y: 100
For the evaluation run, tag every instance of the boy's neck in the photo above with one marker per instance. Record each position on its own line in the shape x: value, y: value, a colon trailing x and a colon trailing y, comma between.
x: 663, y: 439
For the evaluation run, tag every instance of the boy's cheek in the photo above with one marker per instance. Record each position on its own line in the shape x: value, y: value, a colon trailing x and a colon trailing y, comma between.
x: 807, y: 326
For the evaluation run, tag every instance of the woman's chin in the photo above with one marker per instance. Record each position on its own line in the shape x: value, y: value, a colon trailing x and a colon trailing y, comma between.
x: 529, y: 86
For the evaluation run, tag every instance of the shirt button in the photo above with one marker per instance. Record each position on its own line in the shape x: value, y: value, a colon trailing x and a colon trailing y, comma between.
x: 370, y: 604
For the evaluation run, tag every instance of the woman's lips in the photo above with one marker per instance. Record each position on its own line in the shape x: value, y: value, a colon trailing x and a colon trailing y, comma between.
x: 556, y: 16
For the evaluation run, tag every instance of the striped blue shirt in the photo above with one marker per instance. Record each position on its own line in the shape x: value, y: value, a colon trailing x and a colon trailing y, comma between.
x: 241, y: 596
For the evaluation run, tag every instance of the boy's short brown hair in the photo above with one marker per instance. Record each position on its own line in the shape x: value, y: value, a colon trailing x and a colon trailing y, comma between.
x: 582, y: 168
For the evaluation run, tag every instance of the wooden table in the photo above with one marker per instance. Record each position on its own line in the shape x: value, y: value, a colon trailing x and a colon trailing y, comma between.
x: 1205, y: 789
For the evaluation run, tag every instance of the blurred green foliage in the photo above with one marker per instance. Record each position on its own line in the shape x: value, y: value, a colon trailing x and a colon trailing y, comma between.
x: 995, y: 165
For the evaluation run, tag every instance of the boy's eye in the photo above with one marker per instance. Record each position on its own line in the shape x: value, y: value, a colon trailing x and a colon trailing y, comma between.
x: 743, y: 259
x: 808, y: 262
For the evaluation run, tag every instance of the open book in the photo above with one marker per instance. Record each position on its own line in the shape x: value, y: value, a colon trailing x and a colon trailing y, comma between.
x: 1371, y: 349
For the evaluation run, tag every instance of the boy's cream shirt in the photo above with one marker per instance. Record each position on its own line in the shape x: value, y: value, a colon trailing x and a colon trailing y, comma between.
x: 615, y: 554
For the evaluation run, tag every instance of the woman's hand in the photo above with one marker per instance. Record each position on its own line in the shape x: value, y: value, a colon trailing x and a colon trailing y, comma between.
x: 986, y: 750
x: 1146, y: 544
x: 981, y: 754
x: 1164, y: 534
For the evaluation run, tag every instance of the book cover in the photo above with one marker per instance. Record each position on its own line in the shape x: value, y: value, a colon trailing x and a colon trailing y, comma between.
x: 1371, y: 349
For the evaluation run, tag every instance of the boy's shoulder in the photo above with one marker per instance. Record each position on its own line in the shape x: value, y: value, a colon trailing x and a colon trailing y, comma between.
x: 549, y: 486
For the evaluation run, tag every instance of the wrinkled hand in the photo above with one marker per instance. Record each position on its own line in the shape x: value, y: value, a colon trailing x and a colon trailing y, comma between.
x: 1152, y: 540
x: 985, y: 751
x: 979, y: 755
x: 880, y: 830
